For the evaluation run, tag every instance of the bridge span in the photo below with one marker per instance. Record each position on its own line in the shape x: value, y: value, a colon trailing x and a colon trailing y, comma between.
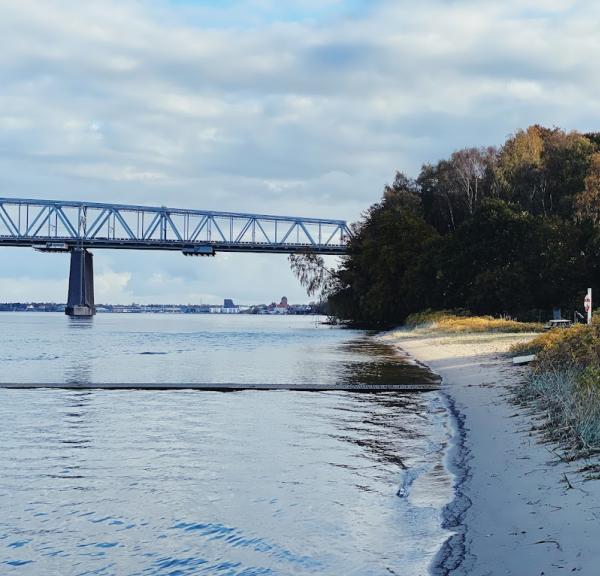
x: 76, y: 227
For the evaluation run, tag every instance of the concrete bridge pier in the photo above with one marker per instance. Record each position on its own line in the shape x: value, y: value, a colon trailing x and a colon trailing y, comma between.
x: 81, y: 284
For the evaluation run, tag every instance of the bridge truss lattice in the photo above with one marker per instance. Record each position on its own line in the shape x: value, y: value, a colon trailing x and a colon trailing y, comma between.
x: 63, y: 225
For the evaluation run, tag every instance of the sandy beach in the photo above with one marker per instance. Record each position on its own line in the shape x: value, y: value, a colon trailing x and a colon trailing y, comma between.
x: 519, y: 508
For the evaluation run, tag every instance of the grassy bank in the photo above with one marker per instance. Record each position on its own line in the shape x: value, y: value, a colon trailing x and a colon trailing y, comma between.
x: 564, y: 385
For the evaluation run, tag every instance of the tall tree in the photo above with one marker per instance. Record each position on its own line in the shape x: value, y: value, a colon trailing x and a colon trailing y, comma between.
x: 587, y: 202
x: 376, y: 282
x: 452, y: 189
x: 544, y: 169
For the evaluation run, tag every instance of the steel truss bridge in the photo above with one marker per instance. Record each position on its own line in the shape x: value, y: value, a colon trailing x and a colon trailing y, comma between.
x: 76, y: 227
x: 49, y: 224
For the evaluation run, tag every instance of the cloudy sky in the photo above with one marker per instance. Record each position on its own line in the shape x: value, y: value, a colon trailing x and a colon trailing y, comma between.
x: 303, y: 107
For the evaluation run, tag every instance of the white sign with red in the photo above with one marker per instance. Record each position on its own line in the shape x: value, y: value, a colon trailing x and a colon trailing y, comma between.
x: 587, y: 304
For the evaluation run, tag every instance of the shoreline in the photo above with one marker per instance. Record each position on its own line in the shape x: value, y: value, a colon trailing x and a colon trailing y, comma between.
x: 517, y: 507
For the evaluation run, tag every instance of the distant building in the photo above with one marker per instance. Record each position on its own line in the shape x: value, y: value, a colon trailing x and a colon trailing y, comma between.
x: 282, y: 307
x: 228, y: 308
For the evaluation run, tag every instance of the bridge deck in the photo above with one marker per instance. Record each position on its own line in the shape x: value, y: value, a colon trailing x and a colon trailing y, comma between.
x: 227, y: 387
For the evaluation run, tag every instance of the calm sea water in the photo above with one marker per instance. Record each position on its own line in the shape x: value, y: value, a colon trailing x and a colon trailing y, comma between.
x: 236, y: 484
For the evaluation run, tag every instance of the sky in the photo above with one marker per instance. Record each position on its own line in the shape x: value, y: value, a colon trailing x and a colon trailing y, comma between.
x: 270, y: 106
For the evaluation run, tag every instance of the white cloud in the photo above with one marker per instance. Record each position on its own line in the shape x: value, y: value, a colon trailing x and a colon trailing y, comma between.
x: 112, y: 286
x: 285, y: 107
x: 28, y: 289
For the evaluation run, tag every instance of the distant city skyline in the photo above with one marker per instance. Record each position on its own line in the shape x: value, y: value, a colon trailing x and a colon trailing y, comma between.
x: 227, y: 307
x: 223, y: 302
x: 303, y: 108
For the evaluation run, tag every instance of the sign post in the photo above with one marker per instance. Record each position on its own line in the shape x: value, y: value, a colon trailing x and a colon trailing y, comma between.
x: 587, y: 304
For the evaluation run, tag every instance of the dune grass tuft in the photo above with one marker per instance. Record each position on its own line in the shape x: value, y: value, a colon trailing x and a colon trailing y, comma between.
x: 577, y: 346
x: 569, y: 400
x: 565, y: 385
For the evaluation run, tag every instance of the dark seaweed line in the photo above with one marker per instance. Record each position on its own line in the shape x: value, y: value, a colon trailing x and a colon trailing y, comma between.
x: 453, y: 554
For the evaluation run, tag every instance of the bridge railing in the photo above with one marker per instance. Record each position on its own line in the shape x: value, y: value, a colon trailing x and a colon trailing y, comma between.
x: 27, y: 222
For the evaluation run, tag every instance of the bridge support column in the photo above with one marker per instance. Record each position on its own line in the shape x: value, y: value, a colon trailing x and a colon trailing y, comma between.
x: 81, y: 284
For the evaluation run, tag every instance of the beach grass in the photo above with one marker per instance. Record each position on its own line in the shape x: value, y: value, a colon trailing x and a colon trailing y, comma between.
x: 564, y: 385
x: 569, y: 401
x: 461, y: 322
x: 577, y: 346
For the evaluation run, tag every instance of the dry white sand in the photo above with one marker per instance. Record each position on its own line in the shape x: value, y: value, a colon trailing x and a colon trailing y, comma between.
x: 521, y: 515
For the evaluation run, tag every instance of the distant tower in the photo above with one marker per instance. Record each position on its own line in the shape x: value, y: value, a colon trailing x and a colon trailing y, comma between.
x: 284, y: 303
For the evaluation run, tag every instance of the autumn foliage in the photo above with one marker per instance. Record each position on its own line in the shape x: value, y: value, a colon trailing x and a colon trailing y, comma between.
x: 509, y: 231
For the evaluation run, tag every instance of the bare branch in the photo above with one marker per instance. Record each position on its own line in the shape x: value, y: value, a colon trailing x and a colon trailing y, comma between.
x: 311, y: 271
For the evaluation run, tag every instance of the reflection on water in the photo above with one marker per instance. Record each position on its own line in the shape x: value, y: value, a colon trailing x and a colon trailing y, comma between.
x: 375, y: 362
x: 78, y: 368
x: 79, y: 371
x: 182, y: 482
x: 80, y: 322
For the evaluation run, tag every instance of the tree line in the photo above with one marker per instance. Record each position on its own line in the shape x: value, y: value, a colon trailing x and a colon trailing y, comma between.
x: 512, y: 230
